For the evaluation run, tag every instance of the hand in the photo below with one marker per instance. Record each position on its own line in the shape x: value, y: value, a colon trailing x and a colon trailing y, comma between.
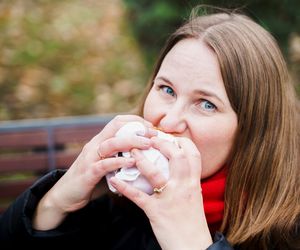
x: 74, y: 189
x: 176, y: 214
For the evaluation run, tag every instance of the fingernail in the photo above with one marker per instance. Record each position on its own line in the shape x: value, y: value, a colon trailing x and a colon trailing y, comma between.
x: 141, y: 132
x: 145, y: 141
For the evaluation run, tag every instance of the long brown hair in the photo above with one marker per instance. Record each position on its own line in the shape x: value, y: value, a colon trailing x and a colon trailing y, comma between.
x: 263, y: 190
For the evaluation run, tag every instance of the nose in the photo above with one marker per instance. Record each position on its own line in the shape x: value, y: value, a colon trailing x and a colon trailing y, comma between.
x: 173, y: 120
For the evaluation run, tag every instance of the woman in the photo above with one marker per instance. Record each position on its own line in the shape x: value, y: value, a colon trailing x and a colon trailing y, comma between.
x: 221, y: 87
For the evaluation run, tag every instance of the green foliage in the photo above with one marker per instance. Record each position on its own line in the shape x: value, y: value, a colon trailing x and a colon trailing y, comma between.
x: 154, y: 20
x: 66, y: 58
x: 62, y: 57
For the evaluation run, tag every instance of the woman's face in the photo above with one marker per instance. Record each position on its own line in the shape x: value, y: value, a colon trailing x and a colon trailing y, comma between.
x: 188, y: 98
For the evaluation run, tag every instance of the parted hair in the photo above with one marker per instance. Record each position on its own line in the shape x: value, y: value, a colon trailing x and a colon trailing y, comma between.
x: 262, y: 190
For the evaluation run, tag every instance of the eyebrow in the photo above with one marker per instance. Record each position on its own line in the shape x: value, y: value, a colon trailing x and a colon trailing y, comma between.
x: 198, y: 91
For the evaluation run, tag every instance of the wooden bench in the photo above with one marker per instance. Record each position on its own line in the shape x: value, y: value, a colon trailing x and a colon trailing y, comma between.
x: 31, y: 148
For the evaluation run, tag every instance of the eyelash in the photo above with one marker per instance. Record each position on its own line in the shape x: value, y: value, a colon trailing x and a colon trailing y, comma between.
x: 164, y: 88
x: 211, y: 104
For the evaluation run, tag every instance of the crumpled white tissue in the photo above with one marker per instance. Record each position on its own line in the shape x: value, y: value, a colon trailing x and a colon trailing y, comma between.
x: 132, y: 175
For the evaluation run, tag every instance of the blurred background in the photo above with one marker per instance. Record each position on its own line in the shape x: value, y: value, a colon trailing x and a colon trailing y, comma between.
x: 73, y: 57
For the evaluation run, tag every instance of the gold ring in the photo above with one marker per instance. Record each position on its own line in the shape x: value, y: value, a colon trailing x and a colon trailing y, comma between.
x: 159, y: 190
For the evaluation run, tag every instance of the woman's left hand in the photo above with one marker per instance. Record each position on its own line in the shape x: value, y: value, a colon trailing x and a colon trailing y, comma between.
x: 176, y: 213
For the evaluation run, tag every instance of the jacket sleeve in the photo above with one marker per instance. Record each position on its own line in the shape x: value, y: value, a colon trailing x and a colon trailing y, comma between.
x: 97, y: 222
x: 220, y: 243
x: 15, y: 222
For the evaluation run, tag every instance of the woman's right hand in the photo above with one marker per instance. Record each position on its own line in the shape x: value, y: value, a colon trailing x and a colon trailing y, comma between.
x: 74, y: 189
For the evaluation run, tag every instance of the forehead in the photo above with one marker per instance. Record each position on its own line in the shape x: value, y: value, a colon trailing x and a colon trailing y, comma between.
x: 192, y: 61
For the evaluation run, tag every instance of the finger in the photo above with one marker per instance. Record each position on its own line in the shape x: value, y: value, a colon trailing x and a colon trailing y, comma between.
x: 178, y: 163
x: 114, y: 145
x: 103, y: 167
x: 193, y: 155
x: 148, y: 132
x: 167, y: 148
x: 149, y: 170
x: 116, y: 123
x: 137, y: 196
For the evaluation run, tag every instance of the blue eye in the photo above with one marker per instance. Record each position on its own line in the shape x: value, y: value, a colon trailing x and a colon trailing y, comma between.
x: 208, y: 106
x: 168, y: 90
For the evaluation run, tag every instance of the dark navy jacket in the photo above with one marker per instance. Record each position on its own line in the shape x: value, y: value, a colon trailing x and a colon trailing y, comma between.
x: 103, y: 223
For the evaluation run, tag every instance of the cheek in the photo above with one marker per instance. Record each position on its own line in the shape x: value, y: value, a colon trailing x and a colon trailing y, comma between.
x: 214, y: 145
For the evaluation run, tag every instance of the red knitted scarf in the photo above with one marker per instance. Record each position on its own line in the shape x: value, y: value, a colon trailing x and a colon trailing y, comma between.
x: 213, y: 189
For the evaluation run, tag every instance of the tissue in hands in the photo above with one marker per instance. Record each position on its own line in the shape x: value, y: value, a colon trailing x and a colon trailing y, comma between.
x: 132, y: 175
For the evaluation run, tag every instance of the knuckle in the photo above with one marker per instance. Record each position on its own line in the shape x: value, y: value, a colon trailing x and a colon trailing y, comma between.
x: 95, y: 168
x: 154, y: 175
x: 141, y: 141
x: 86, y: 148
x: 118, y: 118
x: 140, y: 161
x: 117, y: 121
x: 108, y: 144
x: 137, y: 196
x: 103, y: 167
x: 160, y: 142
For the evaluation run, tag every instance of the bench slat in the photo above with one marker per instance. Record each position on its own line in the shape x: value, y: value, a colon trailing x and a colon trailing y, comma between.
x: 23, y: 139
x: 36, y: 162
x: 75, y: 135
x: 27, y: 148
x: 15, y: 163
